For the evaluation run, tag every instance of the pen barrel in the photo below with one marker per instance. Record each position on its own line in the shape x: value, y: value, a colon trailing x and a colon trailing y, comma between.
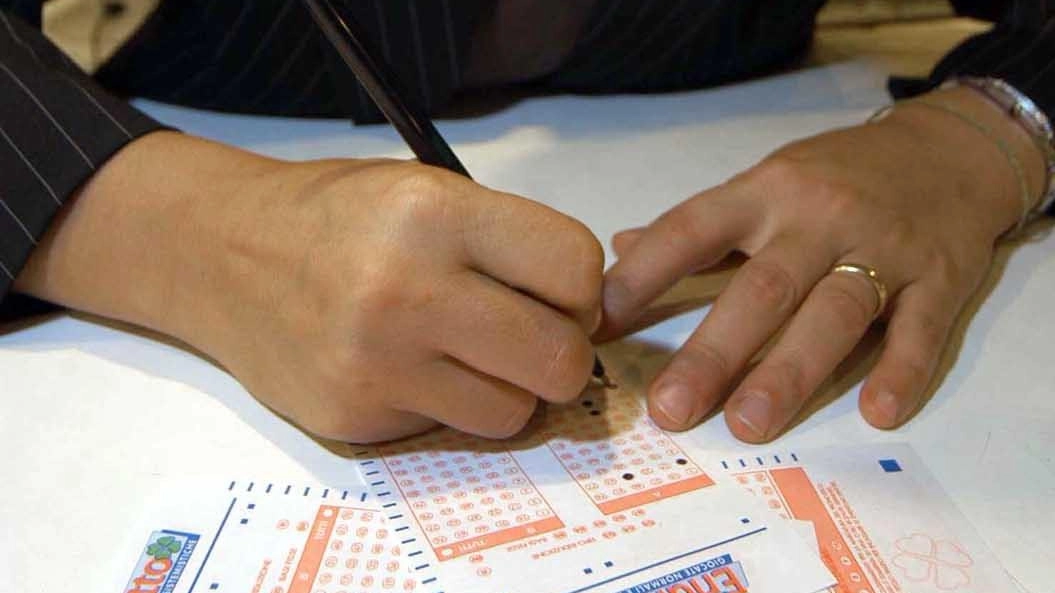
x: 382, y: 85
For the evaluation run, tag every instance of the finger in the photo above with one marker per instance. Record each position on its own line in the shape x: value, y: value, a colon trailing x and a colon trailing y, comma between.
x: 916, y: 336
x: 375, y: 426
x: 832, y: 320
x: 761, y: 297
x: 501, y: 332
x: 468, y: 400
x: 538, y: 251
x: 624, y: 241
x: 695, y: 234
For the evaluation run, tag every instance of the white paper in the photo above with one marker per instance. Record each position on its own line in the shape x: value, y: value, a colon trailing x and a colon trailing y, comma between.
x: 260, y: 536
x: 883, y: 524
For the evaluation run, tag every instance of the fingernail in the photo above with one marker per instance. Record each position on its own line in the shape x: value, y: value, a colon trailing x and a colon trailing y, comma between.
x: 756, y: 413
x: 887, y: 408
x: 675, y: 402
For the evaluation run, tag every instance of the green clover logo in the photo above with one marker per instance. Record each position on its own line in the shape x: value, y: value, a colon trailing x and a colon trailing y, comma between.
x: 164, y: 547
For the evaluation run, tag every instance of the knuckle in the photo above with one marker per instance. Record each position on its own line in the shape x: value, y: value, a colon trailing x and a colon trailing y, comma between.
x: 901, y: 232
x: 382, y: 291
x: 352, y: 390
x: 420, y: 198
x: 360, y: 429
x: 378, y: 294
x: 514, y: 420
x: 825, y: 197
x: 789, y: 174
x: 417, y: 180
x: 585, y: 246
x: 847, y: 305
x: 838, y: 202
x: 585, y: 274
x: 915, y: 373
x: 681, y: 228
x: 358, y: 424
x: 355, y: 404
x: 621, y: 289
x: 942, y: 269
x: 793, y: 390
x: 569, y: 363
x: 776, y: 171
x: 783, y: 380
x: 334, y: 363
x: 771, y: 284
x: 707, y: 360
x: 928, y: 331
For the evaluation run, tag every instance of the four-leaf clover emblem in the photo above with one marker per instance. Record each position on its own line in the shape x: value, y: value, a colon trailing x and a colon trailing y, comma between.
x: 164, y: 547
x: 941, y: 562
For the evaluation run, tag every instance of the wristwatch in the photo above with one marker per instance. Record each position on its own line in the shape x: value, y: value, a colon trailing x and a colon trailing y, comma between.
x: 1023, y: 110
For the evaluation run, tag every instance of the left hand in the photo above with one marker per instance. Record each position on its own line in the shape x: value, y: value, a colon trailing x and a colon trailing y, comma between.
x: 920, y: 196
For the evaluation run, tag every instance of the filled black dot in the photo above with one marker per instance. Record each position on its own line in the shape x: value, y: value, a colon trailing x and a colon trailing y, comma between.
x: 587, y: 404
x: 595, y: 412
x: 680, y: 461
x: 628, y: 476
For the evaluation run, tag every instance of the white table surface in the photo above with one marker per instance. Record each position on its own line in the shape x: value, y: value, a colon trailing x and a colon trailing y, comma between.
x: 94, y: 414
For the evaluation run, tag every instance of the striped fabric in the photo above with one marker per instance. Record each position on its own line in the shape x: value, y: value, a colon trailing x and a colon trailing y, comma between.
x: 1019, y: 49
x: 267, y: 56
x: 57, y: 126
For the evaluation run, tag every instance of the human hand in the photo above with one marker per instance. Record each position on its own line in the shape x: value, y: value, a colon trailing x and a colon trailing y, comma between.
x: 364, y: 300
x: 920, y: 197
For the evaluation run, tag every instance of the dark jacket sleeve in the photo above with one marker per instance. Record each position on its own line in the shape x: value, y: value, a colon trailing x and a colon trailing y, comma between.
x: 1020, y: 48
x: 56, y: 129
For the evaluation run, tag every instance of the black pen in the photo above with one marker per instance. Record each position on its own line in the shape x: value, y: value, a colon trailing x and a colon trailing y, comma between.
x: 381, y: 85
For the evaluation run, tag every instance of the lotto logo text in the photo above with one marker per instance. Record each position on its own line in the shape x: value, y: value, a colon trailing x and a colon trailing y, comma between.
x: 162, y: 562
x: 717, y: 575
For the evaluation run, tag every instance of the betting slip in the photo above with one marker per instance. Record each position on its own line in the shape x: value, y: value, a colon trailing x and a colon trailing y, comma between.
x: 593, y: 497
x: 883, y: 524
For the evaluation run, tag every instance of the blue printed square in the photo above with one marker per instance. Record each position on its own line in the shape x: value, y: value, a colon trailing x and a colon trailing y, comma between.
x: 890, y: 465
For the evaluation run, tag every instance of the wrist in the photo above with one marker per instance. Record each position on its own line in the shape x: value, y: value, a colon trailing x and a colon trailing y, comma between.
x: 1028, y: 117
x: 1001, y: 168
x: 128, y: 245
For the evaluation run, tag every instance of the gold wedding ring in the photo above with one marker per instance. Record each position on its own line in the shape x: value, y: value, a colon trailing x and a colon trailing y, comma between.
x: 873, y: 278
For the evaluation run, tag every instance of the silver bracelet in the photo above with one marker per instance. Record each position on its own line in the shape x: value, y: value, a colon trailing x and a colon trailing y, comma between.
x: 1028, y: 115
x: 1013, y: 161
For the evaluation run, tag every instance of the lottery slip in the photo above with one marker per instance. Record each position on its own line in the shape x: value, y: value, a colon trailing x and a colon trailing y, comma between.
x: 591, y: 497
x: 262, y: 537
x: 883, y: 524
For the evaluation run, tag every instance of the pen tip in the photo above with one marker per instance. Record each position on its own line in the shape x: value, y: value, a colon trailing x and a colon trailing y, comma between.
x: 600, y: 375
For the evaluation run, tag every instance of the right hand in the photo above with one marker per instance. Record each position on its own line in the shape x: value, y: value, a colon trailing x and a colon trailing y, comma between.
x: 363, y: 300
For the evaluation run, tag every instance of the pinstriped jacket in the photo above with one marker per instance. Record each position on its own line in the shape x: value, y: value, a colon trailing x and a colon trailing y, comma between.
x: 58, y: 124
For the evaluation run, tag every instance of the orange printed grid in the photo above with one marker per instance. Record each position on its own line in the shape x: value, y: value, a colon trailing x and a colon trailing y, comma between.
x: 498, y: 538
x: 467, y: 500
x: 314, y: 550
x: 655, y: 494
